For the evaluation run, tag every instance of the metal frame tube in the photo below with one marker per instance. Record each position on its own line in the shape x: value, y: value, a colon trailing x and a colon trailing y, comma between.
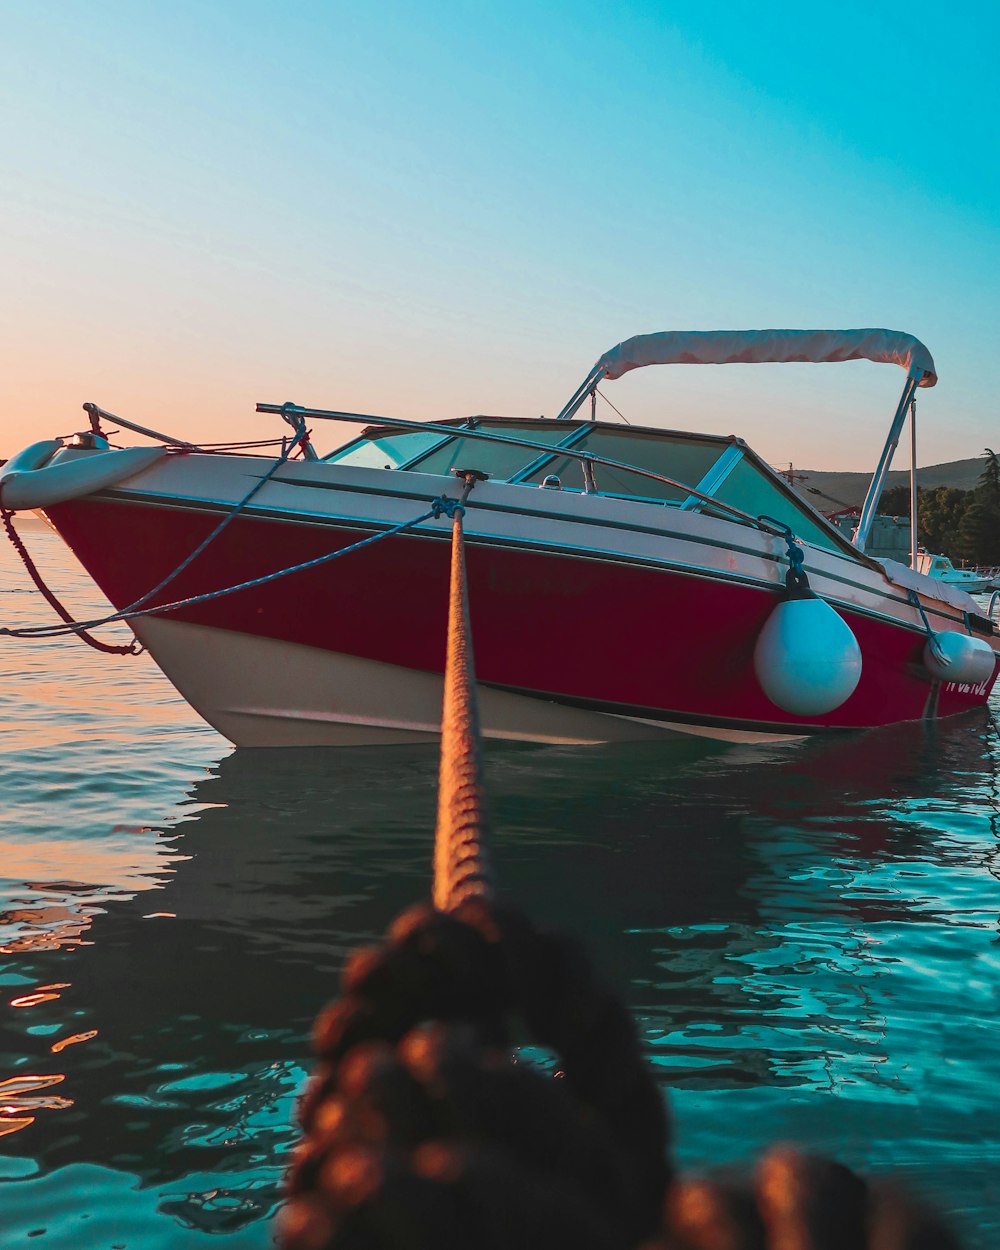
x: 716, y: 475
x: 878, y: 478
x: 96, y: 414
x: 589, y: 382
x: 913, y: 482
x: 539, y: 462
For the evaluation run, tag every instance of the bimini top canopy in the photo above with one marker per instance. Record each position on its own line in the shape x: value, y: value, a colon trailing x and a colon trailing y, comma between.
x: 754, y: 347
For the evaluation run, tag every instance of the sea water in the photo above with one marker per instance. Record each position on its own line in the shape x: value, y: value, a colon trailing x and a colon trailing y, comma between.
x: 807, y: 935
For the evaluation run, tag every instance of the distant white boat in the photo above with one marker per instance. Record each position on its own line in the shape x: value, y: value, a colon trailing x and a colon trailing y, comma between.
x: 943, y: 569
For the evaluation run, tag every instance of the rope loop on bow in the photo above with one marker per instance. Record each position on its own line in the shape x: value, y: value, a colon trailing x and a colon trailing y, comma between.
x: 796, y: 580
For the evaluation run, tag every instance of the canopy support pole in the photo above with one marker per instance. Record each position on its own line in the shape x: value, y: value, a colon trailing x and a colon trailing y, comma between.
x: 580, y: 394
x: 879, y: 476
x: 913, y: 482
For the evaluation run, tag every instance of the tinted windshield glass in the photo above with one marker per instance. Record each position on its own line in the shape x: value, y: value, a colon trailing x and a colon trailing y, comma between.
x: 687, y: 460
x: 499, y: 460
x: 748, y: 489
x: 388, y: 452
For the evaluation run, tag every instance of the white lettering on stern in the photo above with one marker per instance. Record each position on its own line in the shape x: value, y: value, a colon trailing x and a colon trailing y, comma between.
x: 961, y: 687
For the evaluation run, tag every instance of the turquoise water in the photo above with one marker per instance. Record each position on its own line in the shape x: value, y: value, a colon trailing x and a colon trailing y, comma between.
x: 808, y: 935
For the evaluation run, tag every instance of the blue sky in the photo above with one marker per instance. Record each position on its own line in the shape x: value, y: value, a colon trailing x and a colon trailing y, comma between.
x: 430, y: 210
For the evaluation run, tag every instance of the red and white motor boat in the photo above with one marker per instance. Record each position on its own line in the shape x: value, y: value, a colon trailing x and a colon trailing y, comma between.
x: 624, y: 581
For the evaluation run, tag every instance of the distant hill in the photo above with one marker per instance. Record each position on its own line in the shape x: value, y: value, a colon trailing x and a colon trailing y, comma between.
x: 827, y: 491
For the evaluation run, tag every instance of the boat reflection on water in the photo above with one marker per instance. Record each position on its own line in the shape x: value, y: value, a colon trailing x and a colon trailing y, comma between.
x: 786, y: 921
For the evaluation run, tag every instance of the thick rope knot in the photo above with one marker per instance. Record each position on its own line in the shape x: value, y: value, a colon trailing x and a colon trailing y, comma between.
x: 442, y: 506
x: 420, y: 1131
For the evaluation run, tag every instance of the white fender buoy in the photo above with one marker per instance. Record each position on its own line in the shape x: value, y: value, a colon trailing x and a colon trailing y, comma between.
x: 961, y: 658
x: 23, y: 488
x: 807, y: 659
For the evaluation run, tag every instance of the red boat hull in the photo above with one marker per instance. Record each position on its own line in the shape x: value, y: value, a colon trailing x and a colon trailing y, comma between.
x: 577, y: 629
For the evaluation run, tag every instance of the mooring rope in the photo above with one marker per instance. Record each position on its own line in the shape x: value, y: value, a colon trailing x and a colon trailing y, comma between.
x: 419, y: 1132
x: 110, y: 648
x: 82, y: 629
x: 461, y: 869
x: 932, y: 639
x: 437, y: 508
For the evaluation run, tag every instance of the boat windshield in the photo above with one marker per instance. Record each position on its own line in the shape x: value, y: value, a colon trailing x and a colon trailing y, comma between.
x: 388, y: 451
x: 722, y: 468
x: 685, y: 458
x: 749, y: 488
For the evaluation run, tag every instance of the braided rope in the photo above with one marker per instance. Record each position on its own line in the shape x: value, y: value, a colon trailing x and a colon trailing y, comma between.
x: 461, y: 868
x: 110, y: 648
x: 76, y: 627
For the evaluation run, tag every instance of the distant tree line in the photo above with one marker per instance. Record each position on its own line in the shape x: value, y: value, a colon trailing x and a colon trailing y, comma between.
x: 960, y: 524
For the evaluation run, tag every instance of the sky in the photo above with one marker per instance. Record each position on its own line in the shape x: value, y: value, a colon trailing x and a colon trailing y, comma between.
x: 429, y: 210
